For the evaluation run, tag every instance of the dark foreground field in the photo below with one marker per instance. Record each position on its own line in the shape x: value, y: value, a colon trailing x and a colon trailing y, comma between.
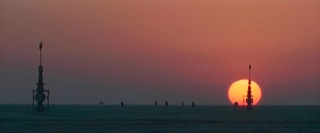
x: 184, y: 119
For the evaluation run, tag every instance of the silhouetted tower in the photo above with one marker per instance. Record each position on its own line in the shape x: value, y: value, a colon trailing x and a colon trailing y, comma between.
x: 167, y: 104
x: 243, y: 101
x: 40, y: 95
x: 249, y: 99
x: 182, y: 103
x: 156, y: 103
x: 193, y: 104
x: 122, y: 104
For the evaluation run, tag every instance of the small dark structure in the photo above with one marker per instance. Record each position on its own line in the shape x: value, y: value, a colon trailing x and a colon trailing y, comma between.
x: 122, y: 104
x: 101, y: 102
x: 249, y: 99
x: 40, y: 95
x: 167, y: 104
x: 236, y: 104
x: 156, y: 104
x: 243, y: 100
x: 193, y: 104
x: 182, y: 103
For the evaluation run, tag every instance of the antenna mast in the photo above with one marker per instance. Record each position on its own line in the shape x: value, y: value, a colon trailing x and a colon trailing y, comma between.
x: 40, y: 94
x: 249, y: 99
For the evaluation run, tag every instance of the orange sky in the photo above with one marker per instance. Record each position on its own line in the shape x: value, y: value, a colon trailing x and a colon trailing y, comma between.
x: 140, y: 51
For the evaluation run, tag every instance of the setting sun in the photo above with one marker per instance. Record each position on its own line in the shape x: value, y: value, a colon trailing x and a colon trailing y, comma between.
x: 238, y: 92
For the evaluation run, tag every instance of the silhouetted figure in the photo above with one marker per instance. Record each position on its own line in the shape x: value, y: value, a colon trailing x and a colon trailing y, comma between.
x: 193, y: 104
x: 235, y: 104
x: 249, y: 96
x: 182, y: 103
x: 39, y: 94
x: 122, y: 104
x: 167, y: 104
x: 156, y: 104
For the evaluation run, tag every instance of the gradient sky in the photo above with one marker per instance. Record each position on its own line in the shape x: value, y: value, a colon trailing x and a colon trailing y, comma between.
x: 139, y: 51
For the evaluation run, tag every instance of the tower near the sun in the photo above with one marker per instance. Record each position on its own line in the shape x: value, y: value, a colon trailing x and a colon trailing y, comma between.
x: 40, y: 95
x: 249, y: 99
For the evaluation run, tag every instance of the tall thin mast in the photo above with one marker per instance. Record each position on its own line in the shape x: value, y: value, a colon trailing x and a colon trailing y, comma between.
x: 249, y: 99
x: 250, y: 74
x: 40, y: 47
x: 40, y: 95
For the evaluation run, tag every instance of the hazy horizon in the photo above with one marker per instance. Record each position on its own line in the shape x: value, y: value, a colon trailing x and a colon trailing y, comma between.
x: 140, y: 51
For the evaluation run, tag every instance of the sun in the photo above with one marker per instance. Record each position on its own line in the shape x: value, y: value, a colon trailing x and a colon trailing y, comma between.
x: 238, y: 92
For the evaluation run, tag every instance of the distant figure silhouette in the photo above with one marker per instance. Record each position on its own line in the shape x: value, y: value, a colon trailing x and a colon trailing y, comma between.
x: 122, y: 104
x: 167, y: 104
x: 193, y: 105
x: 156, y: 103
x: 182, y: 104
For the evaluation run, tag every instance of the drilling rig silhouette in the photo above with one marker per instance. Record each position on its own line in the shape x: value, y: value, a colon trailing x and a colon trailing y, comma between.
x: 40, y: 95
x: 249, y: 99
